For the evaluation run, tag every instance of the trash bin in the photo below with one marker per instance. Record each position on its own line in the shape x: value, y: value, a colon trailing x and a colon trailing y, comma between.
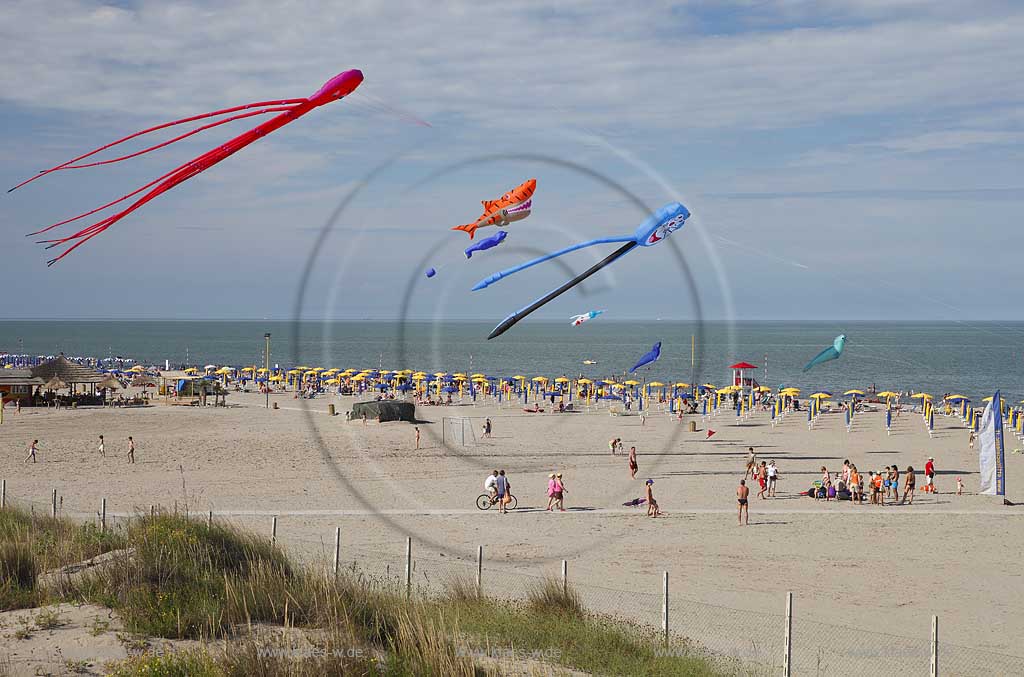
x: 693, y: 426
x: 275, y: 405
x: 330, y: 410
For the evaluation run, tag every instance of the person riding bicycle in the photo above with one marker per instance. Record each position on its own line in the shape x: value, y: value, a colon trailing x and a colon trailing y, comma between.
x: 491, y: 486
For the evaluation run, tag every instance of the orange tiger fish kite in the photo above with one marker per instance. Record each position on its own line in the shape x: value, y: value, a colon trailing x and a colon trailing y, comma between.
x: 512, y: 206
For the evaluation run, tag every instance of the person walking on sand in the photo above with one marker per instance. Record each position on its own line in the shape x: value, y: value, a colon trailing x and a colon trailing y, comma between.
x: 908, y: 489
x: 32, y: 449
x: 751, y: 464
x: 551, y: 490
x: 503, y: 486
x: 632, y: 463
x: 773, y: 477
x: 487, y: 428
x: 560, y: 492
x: 762, y: 479
x: 101, y: 448
x: 652, y: 505
x: 929, y: 475
x: 742, y: 496
x: 613, y: 444
x: 131, y: 450
x: 417, y: 437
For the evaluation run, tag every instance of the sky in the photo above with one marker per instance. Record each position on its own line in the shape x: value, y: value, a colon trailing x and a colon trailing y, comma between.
x: 842, y: 160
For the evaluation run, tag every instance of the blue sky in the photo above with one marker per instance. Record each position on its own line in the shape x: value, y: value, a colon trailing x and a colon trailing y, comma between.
x: 843, y: 160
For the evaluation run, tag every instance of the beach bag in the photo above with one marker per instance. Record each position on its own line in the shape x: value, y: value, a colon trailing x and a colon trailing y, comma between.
x: 843, y: 495
x: 831, y: 492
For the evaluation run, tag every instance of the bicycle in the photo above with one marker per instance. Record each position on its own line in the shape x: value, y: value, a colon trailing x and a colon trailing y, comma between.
x: 484, y: 502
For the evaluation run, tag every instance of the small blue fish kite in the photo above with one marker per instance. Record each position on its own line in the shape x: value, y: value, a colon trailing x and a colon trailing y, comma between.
x: 831, y: 353
x: 492, y: 241
x: 431, y: 272
x: 650, y: 356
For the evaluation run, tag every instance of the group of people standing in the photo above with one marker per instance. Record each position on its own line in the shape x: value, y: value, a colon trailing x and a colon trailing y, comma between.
x: 766, y: 473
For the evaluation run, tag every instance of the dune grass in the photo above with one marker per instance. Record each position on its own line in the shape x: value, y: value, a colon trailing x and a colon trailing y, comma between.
x: 31, y: 544
x: 178, y: 578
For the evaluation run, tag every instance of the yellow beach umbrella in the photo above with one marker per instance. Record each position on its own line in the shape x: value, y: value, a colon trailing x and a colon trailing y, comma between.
x: 680, y: 385
x: 631, y: 382
x: 854, y: 391
x: 561, y: 379
x: 439, y: 374
x: 987, y: 399
x: 584, y: 381
x: 479, y: 376
x: 920, y: 396
x: 724, y: 391
x: 654, y: 384
x: 887, y: 394
x: 820, y: 396
x: 540, y: 378
x: 607, y: 382
x: 709, y: 385
x: 277, y: 378
x: 519, y: 377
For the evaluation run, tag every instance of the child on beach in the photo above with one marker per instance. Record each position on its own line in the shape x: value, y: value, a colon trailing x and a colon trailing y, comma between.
x: 32, y: 448
x: 959, y: 486
x: 742, y: 496
x: 632, y: 463
x: 101, y: 448
x: 652, y: 505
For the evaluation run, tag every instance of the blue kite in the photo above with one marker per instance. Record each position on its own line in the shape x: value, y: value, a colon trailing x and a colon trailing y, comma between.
x: 657, y: 227
x: 492, y: 241
x: 648, y: 357
x: 831, y: 353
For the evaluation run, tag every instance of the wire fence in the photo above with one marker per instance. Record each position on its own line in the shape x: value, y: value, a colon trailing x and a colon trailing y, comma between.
x: 739, y: 641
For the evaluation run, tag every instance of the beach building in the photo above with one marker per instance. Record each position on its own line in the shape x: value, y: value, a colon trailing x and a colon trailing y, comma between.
x: 740, y: 377
x: 18, y: 384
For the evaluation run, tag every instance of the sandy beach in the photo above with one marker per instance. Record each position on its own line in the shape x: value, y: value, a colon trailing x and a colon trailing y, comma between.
x: 866, y: 567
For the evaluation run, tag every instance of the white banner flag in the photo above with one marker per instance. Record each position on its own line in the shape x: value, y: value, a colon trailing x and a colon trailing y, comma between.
x: 990, y: 437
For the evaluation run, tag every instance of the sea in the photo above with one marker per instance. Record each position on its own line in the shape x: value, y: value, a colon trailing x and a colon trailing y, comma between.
x: 973, y: 359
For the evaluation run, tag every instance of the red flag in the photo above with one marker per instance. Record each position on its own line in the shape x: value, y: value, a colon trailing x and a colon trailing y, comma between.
x: 710, y: 433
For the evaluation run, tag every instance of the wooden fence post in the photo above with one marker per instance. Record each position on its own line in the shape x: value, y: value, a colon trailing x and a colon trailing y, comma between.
x: 664, y: 605
x: 787, y: 657
x: 53, y: 504
x: 479, y: 569
x: 103, y: 515
x: 565, y: 576
x: 935, y: 647
x: 273, y: 531
x: 3, y: 494
x: 408, y: 566
x: 337, y: 549
x: 209, y: 519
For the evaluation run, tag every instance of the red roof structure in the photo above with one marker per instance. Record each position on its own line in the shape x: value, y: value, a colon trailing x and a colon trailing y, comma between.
x: 743, y: 365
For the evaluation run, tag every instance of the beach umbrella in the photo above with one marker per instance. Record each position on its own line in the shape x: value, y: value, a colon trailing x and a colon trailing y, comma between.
x: 920, y: 396
x: 855, y: 392
x: 763, y: 389
x: 712, y: 386
x: 478, y: 376
x: 210, y: 367
x: 381, y: 386
x: 584, y: 381
x: 986, y: 399
x: 631, y: 382
x: 887, y: 394
x: 137, y: 369
x: 561, y: 379
x: 680, y: 385
x: 822, y: 394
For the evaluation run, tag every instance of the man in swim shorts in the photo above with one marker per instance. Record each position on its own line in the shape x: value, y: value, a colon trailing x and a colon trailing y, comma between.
x: 742, y: 494
x: 929, y: 474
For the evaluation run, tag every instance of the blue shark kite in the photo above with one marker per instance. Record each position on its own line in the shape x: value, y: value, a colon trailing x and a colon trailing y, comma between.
x: 648, y: 357
x: 657, y: 227
x: 492, y: 241
x: 831, y: 353
x: 577, y: 320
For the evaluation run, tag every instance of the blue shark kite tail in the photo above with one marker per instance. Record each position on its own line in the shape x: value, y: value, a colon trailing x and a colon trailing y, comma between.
x: 657, y: 227
x: 831, y: 353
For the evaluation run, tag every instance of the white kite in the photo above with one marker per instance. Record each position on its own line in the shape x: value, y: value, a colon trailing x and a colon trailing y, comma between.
x: 577, y: 320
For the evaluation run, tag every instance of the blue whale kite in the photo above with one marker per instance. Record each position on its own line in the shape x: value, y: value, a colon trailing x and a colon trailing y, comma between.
x: 492, y: 241
x: 831, y: 353
x: 648, y: 357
